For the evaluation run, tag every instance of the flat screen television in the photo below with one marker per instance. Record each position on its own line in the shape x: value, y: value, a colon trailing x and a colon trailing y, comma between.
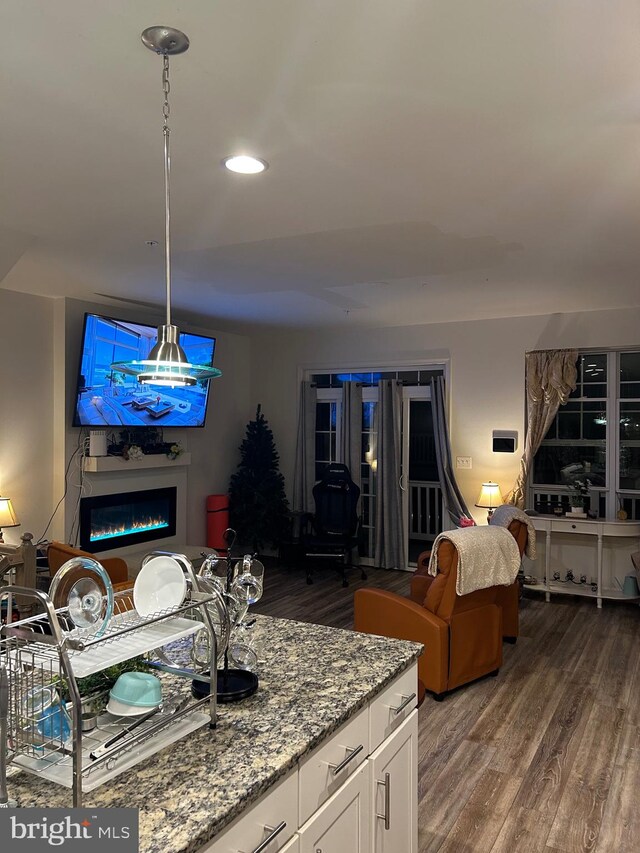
x: 109, y: 398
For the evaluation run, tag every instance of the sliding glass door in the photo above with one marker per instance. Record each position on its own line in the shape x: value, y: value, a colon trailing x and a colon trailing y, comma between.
x: 421, y: 495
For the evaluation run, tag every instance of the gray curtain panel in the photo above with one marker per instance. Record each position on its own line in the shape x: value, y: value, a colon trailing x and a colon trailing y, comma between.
x: 454, y: 503
x: 390, y: 548
x: 304, y: 475
x: 351, y: 438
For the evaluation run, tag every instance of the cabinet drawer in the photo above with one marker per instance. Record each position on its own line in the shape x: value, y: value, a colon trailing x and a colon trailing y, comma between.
x: 318, y: 780
x: 568, y: 526
x: 384, y: 716
x: 252, y: 827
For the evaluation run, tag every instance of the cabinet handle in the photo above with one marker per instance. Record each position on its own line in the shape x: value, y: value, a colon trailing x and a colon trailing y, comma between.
x: 336, y: 768
x: 401, y: 707
x: 386, y: 817
x: 272, y: 834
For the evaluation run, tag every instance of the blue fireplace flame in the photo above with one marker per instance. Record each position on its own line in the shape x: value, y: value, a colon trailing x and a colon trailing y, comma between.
x: 125, y: 531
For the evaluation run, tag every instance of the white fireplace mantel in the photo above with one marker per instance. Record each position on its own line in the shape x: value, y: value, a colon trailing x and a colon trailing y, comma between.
x: 98, y: 464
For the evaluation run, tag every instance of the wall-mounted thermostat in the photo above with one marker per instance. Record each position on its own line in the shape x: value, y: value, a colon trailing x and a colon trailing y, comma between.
x: 505, y: 440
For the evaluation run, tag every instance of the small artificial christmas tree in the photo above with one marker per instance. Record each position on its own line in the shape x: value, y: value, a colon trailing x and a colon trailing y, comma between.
x: 258, y: 504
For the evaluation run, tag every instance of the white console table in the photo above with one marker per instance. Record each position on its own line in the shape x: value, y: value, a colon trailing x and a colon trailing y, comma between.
x: 600, y: 530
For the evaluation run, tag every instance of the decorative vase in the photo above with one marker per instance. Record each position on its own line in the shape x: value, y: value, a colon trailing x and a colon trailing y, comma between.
x: 577, y: 509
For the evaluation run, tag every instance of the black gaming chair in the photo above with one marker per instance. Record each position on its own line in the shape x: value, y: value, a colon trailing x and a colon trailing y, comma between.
x: 333, y: 531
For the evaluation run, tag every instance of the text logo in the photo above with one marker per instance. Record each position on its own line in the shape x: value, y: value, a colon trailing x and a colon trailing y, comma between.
x: 69, y: 830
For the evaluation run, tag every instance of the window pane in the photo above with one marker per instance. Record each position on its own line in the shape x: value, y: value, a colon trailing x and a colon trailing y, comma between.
x: 629, y: 421
x: 568, y: 424
x: 630, y: 389
x: 630, y: 367
x: 323, y: 447
x: 368, y: 410
x: 592, y: 370
x: 322, y: 380
x: 422, y: 448
x: 595, y: 389
x: 427, y: 375
x: 556, y: 466
x: 594, y: 367
x: 323, y: 414
x: 594, y: 421
x: 630, y: 466
x: 334, y: 415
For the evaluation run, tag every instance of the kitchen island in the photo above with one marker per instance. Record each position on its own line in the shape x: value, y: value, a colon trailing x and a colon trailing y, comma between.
x: 313, y: 680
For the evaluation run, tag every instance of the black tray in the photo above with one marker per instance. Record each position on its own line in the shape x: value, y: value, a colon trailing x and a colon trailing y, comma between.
x: 233, y: 685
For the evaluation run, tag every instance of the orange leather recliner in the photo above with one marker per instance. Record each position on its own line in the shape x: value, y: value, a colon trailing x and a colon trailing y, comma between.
x: 508, y: 596
x: 462, y: 635
x: 58, y: 553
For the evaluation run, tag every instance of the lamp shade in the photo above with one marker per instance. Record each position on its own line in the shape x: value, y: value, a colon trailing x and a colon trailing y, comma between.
x: 8, y: 518
x: 490, y: 496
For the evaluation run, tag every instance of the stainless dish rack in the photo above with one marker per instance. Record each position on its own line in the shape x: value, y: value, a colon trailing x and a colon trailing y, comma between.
x: 45, y: 655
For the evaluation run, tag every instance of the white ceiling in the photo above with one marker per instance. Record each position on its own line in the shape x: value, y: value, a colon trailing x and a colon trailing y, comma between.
x: 431, y: 160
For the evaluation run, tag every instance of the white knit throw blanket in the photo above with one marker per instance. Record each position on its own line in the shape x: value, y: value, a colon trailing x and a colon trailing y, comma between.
x: 505, y: 514
x: 487, y: 556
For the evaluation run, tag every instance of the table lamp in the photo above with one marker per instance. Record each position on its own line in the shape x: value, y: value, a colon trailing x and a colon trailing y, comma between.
x: 8, y: 517
x: 490, y: 497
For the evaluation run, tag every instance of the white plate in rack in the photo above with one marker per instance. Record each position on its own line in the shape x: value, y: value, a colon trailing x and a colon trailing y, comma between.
x: 160, y: 585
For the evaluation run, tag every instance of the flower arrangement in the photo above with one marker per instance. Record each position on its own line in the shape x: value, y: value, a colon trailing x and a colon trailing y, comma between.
x: 579, y: 491
x: 174, y: 451
x: 132, y: 453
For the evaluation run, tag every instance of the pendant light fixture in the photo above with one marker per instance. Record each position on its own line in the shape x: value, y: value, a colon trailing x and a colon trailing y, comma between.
x: 167, y: 363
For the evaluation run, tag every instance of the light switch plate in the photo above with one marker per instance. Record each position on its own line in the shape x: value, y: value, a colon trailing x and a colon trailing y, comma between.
x: 463, y: 462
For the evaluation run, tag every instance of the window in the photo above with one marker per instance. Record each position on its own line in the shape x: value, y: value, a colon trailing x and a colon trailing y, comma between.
x: 581, y: 443
x: 326, y: 434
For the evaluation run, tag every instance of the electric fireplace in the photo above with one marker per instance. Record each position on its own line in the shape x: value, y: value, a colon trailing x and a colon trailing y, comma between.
x: 128, y: 518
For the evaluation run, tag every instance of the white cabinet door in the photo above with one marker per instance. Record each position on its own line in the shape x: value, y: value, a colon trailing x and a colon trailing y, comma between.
x: 293, y: 846
x: 343, y: 823
x: 394, y: 791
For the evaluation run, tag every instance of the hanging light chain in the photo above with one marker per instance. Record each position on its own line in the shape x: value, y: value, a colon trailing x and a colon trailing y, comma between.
x: 166, y: 88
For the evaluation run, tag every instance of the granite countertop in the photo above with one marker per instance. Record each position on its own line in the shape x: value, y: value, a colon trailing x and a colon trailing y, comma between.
x: 312, y: 679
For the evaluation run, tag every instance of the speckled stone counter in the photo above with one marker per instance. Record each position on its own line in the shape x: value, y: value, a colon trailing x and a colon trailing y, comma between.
x: 312, y: 679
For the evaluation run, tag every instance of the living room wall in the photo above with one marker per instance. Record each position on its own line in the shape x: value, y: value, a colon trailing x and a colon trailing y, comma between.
x: 486, y: 359
x: 27, y: 385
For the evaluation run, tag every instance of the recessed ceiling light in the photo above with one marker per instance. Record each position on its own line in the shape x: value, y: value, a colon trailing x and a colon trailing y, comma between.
x: 245, y: 165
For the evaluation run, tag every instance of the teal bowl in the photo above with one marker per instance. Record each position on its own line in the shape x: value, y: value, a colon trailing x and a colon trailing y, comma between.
x: 138, y: 689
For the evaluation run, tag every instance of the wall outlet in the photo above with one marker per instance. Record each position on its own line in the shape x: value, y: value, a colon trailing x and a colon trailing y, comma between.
x: 463, y: 462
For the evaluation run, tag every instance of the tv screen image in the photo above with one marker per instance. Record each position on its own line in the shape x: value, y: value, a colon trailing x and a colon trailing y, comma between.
x: 110, y: 398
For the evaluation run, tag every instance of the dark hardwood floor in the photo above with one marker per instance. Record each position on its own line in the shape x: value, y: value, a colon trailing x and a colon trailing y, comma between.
x: 545, y: 757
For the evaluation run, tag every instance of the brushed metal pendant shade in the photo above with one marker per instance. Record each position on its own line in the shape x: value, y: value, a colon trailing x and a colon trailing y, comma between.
x: 167, y: 363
